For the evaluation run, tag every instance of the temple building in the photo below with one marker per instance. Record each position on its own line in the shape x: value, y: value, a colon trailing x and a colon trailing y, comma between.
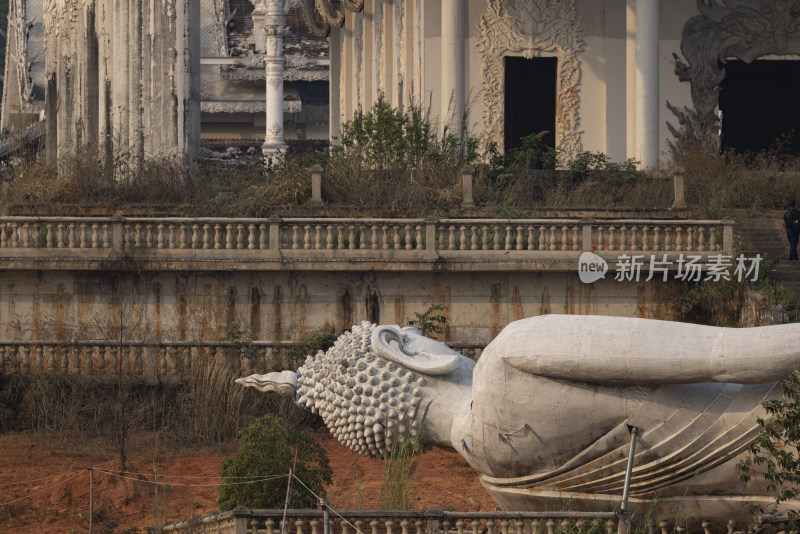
x: 623, y: 77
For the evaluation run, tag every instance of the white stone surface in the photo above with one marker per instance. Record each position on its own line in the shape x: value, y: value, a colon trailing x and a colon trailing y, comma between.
x: 545, y: 414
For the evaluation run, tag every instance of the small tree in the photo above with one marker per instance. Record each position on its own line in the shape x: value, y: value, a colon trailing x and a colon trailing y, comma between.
x: 269, y: 447
x: 775, y: 449
x: 429, y: 322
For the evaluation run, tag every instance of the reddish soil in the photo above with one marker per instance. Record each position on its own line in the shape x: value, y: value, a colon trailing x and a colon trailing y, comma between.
x: 47, y: 494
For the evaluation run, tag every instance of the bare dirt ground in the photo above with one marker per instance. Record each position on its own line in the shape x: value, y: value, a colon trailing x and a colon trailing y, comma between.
x: 48, y: 494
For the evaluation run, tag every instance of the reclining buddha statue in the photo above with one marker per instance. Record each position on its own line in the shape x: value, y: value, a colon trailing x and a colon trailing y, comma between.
x: 545, y: 416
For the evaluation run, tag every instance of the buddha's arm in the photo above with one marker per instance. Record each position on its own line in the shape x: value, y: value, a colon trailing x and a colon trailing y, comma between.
x: 615, y: 350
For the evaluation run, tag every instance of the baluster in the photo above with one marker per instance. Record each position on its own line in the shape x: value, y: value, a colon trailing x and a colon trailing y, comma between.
x: 59, y: 236
x: 104, y: 358
x: 36, y: 359
x: 420, y: 244
x: 535, y: 526
x: 217, y: 236
x: 645, y: 239
x: 374, y: 525
x: 713, y: 238
x: 160, y: 236
x: 600, y: 237
x: 295, y: 237
x: 485, y: 237
x: 678, y: 238
x: 4, y: 235
x: 49, y: 236
x: 520, y: 238
x: 706, y: 525
x: 184, y: 236
x: 575, y: 245
x: 230, y: 236
x: 667, y: 238
x: 459, y: 526
x: 262, y: 235
x: 329, y: 236
x: 474, y: 237
x: 490, y: 526
x: 497, y: 245
x: 663, y: 526
x: 564, y: 244
x: 634, y: 240
x: 340, y: 243
x: 681, y: 528
x: 389, y: 524
x: 612, y: 239
x: 352, y: 237
x: 207, y: 236
x: 306, y: 237
x: 543, y: 238
x: 317, y: 237
x: 565, y: 526
x: 37, y: 235
x: 442, y: 236
x: 84, y: 242
x: 445, y: 526
x: 651, y: 526
x: 396, y: 237
x: 403, y: 527
x: 551, y: 526
x: 657, y: 238
x: 462, y: 238
x: 553, y: 244
x: 314, y: 526
x: 298, y: 524
x: 73, y: 235
x: 623, y: 237
x: 240, y: 245
x: 690, y: 238
x: 374, y: 241
x: 26, y: 235
x: 251, y: 236
x: 106, y: 235
x: 14, y: 361
x: 173, y: 235
x: 137, y: 235
x: 509, y: 238
x: 26, y: 359
x: 363, y: 236
x: 385, y: 237
x: 579, y: 525
x: 409, y: 241
x: 451, y: 237
x: 270, y: 525
x: 359, y: 525
x: 503, y: 526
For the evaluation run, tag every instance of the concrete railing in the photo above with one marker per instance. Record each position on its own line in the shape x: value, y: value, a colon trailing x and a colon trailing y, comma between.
x: 346, y: 238
x: 153, y: 361
x: 246, y: 521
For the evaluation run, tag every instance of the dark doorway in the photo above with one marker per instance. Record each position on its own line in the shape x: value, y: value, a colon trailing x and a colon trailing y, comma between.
x: 759, y: 105
x: 530, y: 100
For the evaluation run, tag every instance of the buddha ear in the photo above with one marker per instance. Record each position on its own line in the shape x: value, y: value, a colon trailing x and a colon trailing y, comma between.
x: 423, y: 355
x: 283, y: 383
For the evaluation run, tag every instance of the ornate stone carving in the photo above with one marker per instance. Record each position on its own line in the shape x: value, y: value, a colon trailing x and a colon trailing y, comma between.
x: 274, y: 82
x: 741, y: 29
x: 274, y: 128
x: 289, y: 106
x: 547, y: 411
x: 532, y: 28
x: 21, y: 29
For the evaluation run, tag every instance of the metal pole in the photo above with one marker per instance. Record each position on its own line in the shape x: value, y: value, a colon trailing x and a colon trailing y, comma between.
x: 284, y: 526
x: 91, y: 499
x: 629, y: 471
x: 326, y: 517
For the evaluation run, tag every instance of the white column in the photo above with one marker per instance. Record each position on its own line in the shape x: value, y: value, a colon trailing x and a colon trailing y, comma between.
x: 273, y: 30
x: 647, y: 82
x: 188, y: 77
x: 452, y: 63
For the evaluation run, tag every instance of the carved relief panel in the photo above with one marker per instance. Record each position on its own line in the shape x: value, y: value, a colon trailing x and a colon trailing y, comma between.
x: 532, y: 28
x: 741, y: 29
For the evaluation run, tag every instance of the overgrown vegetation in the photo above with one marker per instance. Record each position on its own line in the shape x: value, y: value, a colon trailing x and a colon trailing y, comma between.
x: 256, y: 475
x: 773, y: 454
x: 430, y: 322
x: 398, y: 476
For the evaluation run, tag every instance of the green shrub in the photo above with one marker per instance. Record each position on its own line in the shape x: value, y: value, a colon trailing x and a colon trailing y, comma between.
x: 774, y: 451
x: 268, y: 448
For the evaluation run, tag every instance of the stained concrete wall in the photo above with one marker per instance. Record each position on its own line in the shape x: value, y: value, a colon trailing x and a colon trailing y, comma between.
x: 171, y: 306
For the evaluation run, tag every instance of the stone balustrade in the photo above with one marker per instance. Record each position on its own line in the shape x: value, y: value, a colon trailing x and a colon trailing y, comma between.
x: 305, y: 243
x: 246, y: 521
x: 153, y: 362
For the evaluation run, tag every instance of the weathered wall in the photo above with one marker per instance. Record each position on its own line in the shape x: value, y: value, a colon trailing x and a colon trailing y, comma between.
x: 66, y: 305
